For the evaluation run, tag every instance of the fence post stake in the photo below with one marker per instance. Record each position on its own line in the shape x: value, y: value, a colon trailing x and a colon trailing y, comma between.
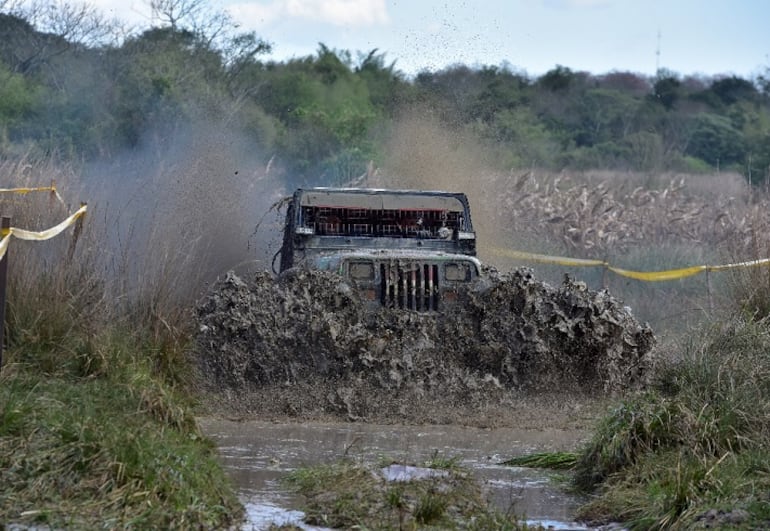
x: 5, y: 224
x: 604, y: 275
x: 75, y: 235
x: 708, y: 287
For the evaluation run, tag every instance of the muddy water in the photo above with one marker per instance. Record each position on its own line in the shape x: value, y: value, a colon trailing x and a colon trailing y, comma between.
x: 258, y: 454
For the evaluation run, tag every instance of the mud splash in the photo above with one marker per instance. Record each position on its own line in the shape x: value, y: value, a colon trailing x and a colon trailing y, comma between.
x: 304, y: 346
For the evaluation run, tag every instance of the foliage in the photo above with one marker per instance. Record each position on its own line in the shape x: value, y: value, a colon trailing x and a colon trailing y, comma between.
x: 113, y: 450
x: 73, y: 84
x: 96, y: 427
x: 686, y: 451
x: 92, y: 430
x: 16, y: 96
x: 667, y: 90
x: 715, y: 140
x: 551, y: 460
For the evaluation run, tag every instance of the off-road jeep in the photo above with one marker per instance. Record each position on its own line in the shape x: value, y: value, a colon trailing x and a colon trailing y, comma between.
x: 398, y: 248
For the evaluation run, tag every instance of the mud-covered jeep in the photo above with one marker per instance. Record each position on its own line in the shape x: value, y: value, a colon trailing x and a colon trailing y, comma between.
x: 398, y: 248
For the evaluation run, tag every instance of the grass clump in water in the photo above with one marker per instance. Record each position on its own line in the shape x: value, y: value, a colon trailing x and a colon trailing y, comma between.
x: 692, y: 451
x: 438, y: 461
x: 548, y: 460
x: 352, y: 495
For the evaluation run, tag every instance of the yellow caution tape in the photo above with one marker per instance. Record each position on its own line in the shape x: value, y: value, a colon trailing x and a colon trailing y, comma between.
x: 25, y: 191
x: 655, y: 276
x: 647, y: 276
x: 50, y: 233
x: 546, y: 259
x: 39, y: 236
x: 752, y: 263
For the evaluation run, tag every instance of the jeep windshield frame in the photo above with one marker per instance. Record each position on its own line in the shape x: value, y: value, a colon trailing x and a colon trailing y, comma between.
x: 329, y: 220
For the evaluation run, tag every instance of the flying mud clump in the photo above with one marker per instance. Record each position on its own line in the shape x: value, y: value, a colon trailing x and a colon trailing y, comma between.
x: 306, y: 345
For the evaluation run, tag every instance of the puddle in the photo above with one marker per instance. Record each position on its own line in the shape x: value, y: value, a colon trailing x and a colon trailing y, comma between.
x: 263, y: 515
x: 409, y: 473
x: 259, y: 454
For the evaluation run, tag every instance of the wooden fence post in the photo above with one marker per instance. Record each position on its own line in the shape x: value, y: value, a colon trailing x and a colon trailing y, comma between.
x: 5, y: 224
x: 605, y: 269
x: 75, y: 235
x: 52, y: 195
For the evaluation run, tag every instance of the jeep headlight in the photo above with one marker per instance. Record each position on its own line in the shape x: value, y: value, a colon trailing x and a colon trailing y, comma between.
x: 456, y: 272
x: 362, y: 270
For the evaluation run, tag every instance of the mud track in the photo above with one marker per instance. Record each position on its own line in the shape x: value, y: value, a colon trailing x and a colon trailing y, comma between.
x: 304, y: 346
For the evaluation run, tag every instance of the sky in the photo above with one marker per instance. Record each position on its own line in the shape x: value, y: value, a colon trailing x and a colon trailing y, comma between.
x: 689, y: 37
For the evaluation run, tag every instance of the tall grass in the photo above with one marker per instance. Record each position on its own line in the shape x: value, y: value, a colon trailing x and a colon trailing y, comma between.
x: 96, y: 428
x: 696, y: 442
x: 107, y: 451
x: 750, y: 287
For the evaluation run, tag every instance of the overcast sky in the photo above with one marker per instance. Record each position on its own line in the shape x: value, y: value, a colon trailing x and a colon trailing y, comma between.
x: 687, y: 36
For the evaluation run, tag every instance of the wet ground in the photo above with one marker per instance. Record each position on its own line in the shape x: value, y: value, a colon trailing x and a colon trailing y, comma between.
x: 258, y: 454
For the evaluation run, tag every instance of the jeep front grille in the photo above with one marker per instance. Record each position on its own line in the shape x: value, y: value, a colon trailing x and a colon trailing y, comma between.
x: 413, y: 286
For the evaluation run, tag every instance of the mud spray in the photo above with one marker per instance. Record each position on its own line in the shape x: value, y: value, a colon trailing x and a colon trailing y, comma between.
x: 305, y: 346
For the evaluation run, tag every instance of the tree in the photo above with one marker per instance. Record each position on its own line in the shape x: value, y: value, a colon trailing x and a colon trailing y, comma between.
x: 603, y: 115
x: 17, y: 100
x: 214, y: 29
x: 326, y: 112
x: 387, y: 85
x: 715, y: 140
x: 503, y: 90
x: 733, y: 89
x: 165, y: 77
x: 178, y: 14
x: 667, y: 90
x: 558, y: 79
x: 626, y: 82
x: 33, y: 34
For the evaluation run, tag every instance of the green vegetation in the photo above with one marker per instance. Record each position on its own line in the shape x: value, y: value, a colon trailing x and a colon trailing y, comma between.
x: 438, y: 461
x: 94, y: 91
x: 692, y: 450
x: 106, y: 452
x: 350, y: 494
x: 96, y: 423
x: 550, y: 460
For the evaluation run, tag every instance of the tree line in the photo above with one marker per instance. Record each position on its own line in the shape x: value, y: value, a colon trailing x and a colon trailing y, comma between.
x: 79, y: 86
